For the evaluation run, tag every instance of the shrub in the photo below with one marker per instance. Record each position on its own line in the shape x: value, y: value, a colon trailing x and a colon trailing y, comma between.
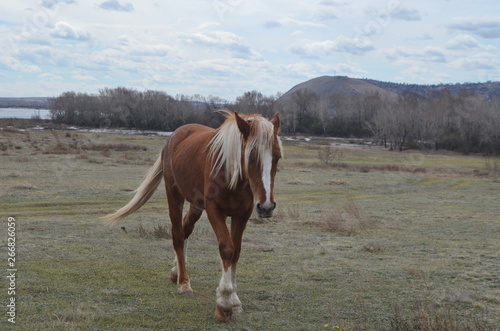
x: 329, y: 155
x: 349, y: 222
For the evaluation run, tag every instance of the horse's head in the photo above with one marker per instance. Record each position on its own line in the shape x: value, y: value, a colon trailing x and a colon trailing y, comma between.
x: 262, y: 151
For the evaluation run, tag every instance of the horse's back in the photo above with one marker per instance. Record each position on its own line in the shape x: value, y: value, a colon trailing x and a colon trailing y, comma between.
x: 185, y: 160
x: 188, y: 136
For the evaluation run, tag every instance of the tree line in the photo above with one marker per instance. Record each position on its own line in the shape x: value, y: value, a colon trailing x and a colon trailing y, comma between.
x: 463, y: 122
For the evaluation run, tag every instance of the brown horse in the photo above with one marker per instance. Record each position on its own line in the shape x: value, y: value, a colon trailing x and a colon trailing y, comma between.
x: 225, y: 171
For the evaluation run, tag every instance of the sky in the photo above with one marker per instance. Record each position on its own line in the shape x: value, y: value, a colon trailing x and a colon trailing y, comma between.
x: 225, y: 48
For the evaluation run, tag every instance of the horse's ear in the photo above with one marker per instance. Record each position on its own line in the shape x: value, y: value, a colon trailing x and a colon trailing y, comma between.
x: 276, y: 122
x: 242, y: 125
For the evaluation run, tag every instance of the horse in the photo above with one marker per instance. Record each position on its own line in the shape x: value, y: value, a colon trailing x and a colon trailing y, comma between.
x: 228, y: 172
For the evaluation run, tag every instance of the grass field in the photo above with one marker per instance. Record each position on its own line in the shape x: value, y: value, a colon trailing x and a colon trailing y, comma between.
x: 378, y: 240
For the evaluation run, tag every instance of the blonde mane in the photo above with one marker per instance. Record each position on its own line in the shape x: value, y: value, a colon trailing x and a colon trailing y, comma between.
x: 226, y: 147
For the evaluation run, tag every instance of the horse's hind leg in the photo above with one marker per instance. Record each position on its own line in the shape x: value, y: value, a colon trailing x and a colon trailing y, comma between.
x: 192, y: 216
x: 190, y: 219
x: 175, y: 205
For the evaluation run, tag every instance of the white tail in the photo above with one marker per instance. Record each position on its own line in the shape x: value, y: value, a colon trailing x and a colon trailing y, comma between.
x: 142, y: 193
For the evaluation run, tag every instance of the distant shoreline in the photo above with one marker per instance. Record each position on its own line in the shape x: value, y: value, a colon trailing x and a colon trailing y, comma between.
x: 27, y: 102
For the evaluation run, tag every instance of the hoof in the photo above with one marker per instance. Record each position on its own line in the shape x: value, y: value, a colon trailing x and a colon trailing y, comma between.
x: 186, y: 291
x: 187, y: 294
x: 237, y: 309
x: 222, y: 315
x: 173, y: 278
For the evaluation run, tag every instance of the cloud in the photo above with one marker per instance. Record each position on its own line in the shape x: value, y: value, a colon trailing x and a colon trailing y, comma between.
x: 406, y: 14
x: 161, y: 48
x: 481, y: 61
x: 272, y: 24
x: 332, y: 3
x: 223, y: 40
x: 129, y: 45
x: 462, y: 42
x: 425, y: 74
x: 84, y: 77
x: 309, y: 24
x: 349, y: 69
x: 305, y: 70
x: 53, y: 3
x: 325, y: 15
x: 115, y: 5
x: 152, y: 50
x: 206, y: 68
x: 46, y: 55
x: 355, y: 46
x: 13, y: 64
x: 467, y: 42
x: 64, y: 30
x: 50, y: 77
x: 485, y: 27
x: 327, y: 10
x: 392, y: 11
x: 427, y: 54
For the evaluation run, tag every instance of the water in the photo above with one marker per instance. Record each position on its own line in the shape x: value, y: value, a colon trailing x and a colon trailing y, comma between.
x: 24, y: 113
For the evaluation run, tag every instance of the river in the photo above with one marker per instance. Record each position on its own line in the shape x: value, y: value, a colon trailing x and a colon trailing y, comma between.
x: 24, y: 113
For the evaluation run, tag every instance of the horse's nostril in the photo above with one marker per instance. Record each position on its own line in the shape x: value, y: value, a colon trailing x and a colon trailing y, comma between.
x: 265, y: 210
x: 266, y: 207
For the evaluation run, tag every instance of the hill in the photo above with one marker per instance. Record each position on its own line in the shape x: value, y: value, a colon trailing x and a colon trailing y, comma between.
x: 488, y: 89
x: 328, y: 85
x: 25, y: 102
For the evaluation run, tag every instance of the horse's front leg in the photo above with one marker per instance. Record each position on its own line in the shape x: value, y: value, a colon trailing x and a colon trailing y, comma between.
x: 238, y: 225
x: 224, y: 305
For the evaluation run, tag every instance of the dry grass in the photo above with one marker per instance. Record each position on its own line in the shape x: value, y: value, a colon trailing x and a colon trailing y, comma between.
x: 293, y: 211
x: 401, y: 250
x: 427, y: 316
x: 11, y: 130
x: 14, y: 174
x: 59, y: 142
x: 337, y: 182
x: 299, y: 181
x: 350, y: 221
x: 158, y: 232
x: 120, y: 147
x: 130, y: 158
x: 162, y: 231
x: 23, y: 159
x: 390, y: 168
x: 335, y: 222
x: 330, y: 156
x: 492, y: 167
x: 373, y: 248
x: 105, y: 149
x: 24, y: 186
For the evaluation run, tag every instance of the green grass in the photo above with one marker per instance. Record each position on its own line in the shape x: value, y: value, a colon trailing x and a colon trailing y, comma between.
x: 429, y: 255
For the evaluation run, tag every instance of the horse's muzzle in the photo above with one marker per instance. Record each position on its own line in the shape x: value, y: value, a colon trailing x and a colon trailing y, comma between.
x: 265, y: 211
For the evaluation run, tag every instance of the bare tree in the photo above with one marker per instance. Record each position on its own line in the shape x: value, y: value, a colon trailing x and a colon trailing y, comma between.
x: 464, y: 122
x: 255, y: 102
x: 304, y: 100
x: 490, y: 124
